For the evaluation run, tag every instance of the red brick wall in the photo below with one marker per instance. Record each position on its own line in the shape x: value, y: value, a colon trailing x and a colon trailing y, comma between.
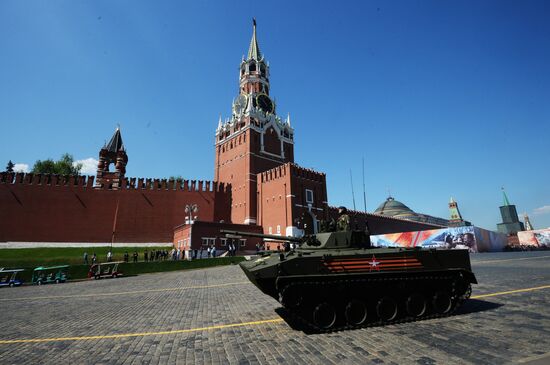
x: 303, y: 179
x: 274, y: 206
x: 282, y: 193
x: 44, y: 208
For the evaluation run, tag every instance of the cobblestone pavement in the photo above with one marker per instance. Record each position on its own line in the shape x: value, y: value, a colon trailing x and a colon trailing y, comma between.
x: 181, y: 317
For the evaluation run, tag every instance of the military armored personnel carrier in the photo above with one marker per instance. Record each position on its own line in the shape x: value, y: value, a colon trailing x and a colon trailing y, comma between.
x: 337, y: 280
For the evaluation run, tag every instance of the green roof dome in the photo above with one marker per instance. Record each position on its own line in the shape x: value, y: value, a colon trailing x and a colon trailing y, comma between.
x: 392, y: 208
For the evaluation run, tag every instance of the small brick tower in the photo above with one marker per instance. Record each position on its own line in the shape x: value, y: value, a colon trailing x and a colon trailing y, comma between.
x: 456, y: 218
x: 112, y: 153
x: 254, y: 139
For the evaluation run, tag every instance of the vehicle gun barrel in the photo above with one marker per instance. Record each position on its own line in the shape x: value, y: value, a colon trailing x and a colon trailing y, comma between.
x: 261, y: 235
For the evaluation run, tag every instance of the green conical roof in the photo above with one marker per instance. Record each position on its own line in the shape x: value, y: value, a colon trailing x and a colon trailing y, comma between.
x: 505, y: 198
x: 254, y: 49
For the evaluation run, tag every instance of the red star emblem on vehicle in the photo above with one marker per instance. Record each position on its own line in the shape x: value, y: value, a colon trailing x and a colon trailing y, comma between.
x: 374, y: 265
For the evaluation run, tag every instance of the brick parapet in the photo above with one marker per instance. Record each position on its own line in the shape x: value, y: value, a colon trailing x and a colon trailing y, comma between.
x: 132, y: 183
x: 293, y: 169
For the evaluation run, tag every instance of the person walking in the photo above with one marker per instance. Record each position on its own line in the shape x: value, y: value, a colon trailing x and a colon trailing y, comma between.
x: 213, y: 250
x: 146, y: 256
x: 135, y: 256
x: 109, y: 256
x: 94, y: 258
x: 86, y: 258
x: 126, y: 256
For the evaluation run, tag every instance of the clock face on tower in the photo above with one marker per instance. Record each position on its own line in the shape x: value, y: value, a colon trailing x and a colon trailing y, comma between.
x: 240, y: 104
x: 264, y: 102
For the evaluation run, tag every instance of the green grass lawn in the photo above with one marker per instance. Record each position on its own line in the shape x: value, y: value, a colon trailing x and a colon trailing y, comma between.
x: 29, y: 258
x: 66, y: 255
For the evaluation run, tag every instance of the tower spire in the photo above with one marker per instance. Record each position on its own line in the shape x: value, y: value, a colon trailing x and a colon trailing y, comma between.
x: 527, y: 222
x: 254, y: 49
x: 115, y: 143
x: 505, y: 198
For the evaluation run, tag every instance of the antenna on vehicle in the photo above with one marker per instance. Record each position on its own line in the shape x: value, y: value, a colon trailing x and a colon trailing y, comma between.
x: 352, y: 192
x: 364, y: 193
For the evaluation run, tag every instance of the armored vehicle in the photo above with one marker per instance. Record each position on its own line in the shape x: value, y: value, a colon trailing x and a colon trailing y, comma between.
x: 337, y: 280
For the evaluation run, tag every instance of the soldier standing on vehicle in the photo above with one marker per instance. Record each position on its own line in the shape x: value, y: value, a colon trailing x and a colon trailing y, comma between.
x: 343, y: 219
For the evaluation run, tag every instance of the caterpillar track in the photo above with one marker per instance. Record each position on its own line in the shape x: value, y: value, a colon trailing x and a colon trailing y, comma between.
x: 343, y: 304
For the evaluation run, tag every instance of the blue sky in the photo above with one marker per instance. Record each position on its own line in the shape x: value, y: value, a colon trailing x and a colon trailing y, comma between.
x: 440, y: 98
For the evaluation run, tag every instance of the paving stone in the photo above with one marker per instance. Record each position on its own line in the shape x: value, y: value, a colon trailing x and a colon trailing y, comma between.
x: 500, y: 329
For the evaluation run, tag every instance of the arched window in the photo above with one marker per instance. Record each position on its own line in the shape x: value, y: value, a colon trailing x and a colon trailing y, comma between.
x: 252, y: 67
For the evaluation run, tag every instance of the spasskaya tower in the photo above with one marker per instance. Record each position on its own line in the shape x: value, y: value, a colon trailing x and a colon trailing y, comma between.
x: 254, y: 139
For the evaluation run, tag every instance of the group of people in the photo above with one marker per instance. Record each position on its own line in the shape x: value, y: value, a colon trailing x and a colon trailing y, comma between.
x: 231, y: 249
x: 210, y: 251
x: 127, y: 256
x: 155, y: 255
x: 93, y: 259
x: 206, y: 251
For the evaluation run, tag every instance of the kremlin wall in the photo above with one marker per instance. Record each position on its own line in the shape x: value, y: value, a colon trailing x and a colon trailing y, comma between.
x: 46, y: 208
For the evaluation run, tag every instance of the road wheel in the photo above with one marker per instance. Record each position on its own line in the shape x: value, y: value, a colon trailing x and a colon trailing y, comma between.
x: 442, y: 302
x: 356, y: 312
x: 467, y: 293
x: 114, y: 276
x: 11, y: 285
x: 416, y: 305
x: 57, y: 281
x: 386, y: 308
x: 39, y: 282
x: 324, y: 315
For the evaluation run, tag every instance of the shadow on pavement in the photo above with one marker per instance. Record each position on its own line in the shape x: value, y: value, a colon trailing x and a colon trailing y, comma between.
x: 476, y: 305
x: 470, y: 306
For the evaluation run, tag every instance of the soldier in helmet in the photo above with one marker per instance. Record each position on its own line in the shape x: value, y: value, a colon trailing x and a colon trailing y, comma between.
x: 343, y: 223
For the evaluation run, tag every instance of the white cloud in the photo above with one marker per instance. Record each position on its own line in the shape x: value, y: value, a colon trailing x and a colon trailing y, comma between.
x: 545, y: 209
x: 21, y: 167
x: 89, y: 166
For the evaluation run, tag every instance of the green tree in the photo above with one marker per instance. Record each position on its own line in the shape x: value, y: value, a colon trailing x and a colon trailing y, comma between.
x: 9, y: 167
x: 64, y: 166
x: 176, y: 178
